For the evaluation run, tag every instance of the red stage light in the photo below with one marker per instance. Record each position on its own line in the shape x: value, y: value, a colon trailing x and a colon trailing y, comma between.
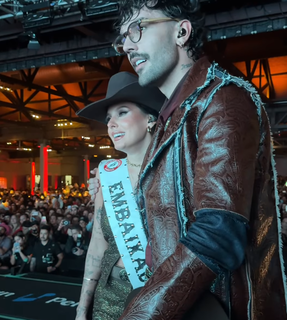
x: 88, y: 169
x: 33, y: 177
x: 45, y: 178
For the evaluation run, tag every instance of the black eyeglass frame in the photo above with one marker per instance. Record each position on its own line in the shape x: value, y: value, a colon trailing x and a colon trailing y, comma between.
x: 116, y: 43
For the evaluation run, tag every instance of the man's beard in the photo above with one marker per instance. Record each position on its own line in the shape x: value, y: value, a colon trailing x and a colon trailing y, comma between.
x: 158, y: 71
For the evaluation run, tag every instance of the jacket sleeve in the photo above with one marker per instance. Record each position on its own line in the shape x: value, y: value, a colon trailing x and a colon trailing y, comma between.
x: 228, y: 141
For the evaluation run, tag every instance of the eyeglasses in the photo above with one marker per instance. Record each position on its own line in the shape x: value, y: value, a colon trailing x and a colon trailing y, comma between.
x: 134, y: 32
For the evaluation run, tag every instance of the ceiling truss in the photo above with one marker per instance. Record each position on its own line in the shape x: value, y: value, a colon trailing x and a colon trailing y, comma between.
x: 24, y: 107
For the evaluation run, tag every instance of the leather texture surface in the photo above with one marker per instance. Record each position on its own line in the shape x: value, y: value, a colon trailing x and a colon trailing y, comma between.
x: 225, y: 165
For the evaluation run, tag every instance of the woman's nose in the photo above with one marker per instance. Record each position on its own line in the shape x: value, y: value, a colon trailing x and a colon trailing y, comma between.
x: 112, y: 123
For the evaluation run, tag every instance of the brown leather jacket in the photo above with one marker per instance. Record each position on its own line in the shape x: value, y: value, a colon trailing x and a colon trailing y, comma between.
x: 209, y: 201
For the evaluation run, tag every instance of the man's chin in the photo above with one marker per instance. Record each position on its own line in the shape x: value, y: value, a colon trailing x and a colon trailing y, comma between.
x: 144, y: 80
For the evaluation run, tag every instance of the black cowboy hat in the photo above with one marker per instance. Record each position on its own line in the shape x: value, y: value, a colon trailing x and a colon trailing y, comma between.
x: 122, y: 87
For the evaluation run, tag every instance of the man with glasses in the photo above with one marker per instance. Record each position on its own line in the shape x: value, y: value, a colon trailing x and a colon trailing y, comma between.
x: 207, y: 189
x: 208, y: 183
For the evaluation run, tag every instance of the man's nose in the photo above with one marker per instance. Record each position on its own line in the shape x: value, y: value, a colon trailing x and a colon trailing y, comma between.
x: 129, y: 46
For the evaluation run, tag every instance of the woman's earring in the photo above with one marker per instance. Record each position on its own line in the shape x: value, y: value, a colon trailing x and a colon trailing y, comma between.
x: 148, y: 129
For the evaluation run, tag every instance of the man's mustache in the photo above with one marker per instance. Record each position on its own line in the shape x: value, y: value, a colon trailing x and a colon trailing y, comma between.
x: 138, y: 55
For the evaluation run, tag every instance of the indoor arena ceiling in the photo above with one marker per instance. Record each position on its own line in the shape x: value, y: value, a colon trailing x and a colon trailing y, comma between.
x: 56, y: 57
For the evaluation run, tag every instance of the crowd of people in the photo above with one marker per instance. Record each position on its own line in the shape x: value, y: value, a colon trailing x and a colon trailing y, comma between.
x: 47, y: 233
x: 51, y: 233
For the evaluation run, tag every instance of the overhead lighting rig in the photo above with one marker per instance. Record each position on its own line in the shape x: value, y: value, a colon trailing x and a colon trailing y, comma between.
x: 98, y: 7
x: 36, y: 13
x: 63, y: 123
x: 33, y: 44
x: 5, y: 89
x: 24, y: 149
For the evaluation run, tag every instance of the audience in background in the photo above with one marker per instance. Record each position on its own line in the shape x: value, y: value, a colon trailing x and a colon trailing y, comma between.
x: 77, y: 243
x: 47, y: 255
x: 7, y: 217
x: 23, y: 217
x: 83, y: 224
x: 21, y: 254
x: 5, y: 245
x: 61, y: 215
x: 31, y: 231
x: 15, y: 224
x: 65, y: 221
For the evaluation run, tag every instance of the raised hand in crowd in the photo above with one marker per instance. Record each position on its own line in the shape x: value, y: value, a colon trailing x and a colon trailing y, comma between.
x: 61, y: 225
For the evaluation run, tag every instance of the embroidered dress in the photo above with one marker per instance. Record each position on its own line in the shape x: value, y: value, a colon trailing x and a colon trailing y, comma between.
x: 111, y: 294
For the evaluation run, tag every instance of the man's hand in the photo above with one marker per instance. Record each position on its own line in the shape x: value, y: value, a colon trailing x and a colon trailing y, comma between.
x: 51, y: 269
x: 69, y: 232
x: 78, y: 252
x: 61, y: 225
x: 34, y: 227
x: 94, y: 185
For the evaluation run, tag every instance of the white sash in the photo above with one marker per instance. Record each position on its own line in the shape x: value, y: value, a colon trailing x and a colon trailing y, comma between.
x: 124, y: 218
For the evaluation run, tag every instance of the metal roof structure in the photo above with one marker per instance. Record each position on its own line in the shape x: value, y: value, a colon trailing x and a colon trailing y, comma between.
x: 56, y: 57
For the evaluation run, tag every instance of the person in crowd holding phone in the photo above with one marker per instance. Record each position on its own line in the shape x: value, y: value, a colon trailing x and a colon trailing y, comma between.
x: 47, y: 255
x: 21, y: 253
x: 61, y: 234
x: 115, y: 262
x: 5, y: 246
x: 31, y: 231
x: 77, y: 243
x: 84, y: 221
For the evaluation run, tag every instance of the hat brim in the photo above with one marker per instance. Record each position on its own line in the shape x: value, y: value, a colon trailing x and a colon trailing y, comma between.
x: 148, y: 97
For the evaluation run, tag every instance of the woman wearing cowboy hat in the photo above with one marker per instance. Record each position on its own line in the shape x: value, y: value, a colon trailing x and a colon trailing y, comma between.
x: 115, y: 263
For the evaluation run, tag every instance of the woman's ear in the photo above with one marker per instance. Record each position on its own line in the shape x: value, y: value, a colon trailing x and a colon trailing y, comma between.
x: 151, y: 121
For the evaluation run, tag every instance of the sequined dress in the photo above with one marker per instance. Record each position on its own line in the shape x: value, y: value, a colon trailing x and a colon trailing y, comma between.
x: 111, y: 294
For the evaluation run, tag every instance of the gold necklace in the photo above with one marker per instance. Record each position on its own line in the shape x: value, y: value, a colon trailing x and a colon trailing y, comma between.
x: 133, y: 164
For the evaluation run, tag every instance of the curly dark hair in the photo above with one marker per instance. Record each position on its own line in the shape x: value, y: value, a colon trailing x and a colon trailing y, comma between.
x: 178, y: 9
